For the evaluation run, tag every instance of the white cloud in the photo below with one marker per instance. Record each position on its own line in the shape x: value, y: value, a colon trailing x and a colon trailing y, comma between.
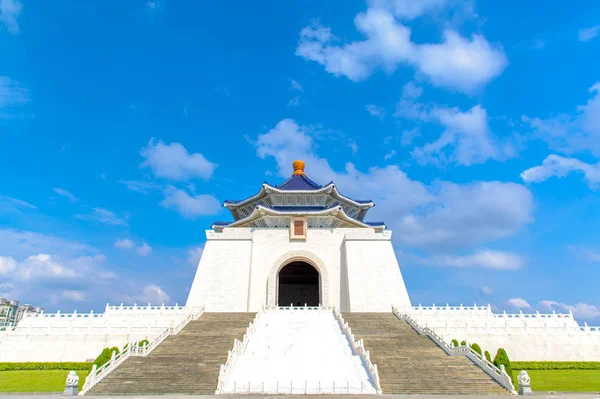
x: 7, y: 264
x: 124, y: 243
x: 441, y: 216
x: 9, y: 12
x: 411, y: 91
x: 190, y: 206
x: 557, y: 166
x: 70, y: 295
x: 389, y: 155
x: 103, y: 216
x: 294, y: 102
x: 11, y: 93
x: 518, y: 303
x: 144, y: 250
x: 580, y: 309
x: 588, y: 254
x: 375, y: 111
x: 408, y: 9
x: 485, y: 290
x: 9, y: 203
x: 44, y: 266
x: 154, y: 6
x: 461, y: 63
x: 457, y: 63
x: 140, y: 186
x: 294, y: 85
x: 408, y: 136
x: 65, y: 194
x: 588, y: 34
x: 465, y: 215
x: 484, y: 258
x: 194, y: 255
x: 153, y: 294
x: 578, y: 131
x: 466, y: 138
x: 172, y: 161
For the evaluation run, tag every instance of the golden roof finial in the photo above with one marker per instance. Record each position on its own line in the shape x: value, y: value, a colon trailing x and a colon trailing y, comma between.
x: 298, y: 167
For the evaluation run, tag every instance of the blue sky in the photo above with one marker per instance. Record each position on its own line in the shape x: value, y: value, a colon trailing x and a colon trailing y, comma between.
x: 474, y: 126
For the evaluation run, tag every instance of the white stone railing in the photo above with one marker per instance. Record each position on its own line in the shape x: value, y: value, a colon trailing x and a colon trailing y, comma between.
x: 358, y: 347
x: 297, y: 308
x: 234, y: 354
x: 133, y: 349
x: 299, y: 387
x: 496, y: 373
x: 110, y: 310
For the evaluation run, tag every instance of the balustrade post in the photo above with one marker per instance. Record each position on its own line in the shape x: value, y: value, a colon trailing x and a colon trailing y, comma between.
x: 93, y: 373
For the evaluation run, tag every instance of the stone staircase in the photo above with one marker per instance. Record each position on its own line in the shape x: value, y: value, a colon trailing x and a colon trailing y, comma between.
x: 410, y: 363
x: 186, y: 363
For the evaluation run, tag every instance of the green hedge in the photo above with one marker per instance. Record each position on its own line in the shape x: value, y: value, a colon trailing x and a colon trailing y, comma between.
x: 556, y: 365
x: 6, y: 366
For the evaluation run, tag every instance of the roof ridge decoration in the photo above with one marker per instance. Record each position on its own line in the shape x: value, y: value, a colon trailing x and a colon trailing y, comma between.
x: 299, y: 195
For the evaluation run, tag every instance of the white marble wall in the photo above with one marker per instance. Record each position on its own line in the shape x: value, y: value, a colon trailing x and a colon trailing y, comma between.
x: 239, y: 266
x: 525, y: 337
x: 79, y: 337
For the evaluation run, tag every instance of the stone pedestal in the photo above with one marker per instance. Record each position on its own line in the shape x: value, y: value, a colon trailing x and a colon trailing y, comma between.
x: 71, y: 391
x: 525, y: 390
x: 71, y: 384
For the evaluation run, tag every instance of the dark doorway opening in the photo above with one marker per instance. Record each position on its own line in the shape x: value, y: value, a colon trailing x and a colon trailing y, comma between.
x: 298, y: 285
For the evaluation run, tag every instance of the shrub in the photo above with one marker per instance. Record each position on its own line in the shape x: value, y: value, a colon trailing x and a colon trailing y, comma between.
x: 463, y: 343
x: 13, y: 366
x: 476, y: 348
x: 105, y: 356
x: 455, y: 343
x: 487, y: 356
x: 556, y: 365
x: 502, y: 358
x: 143, y: 342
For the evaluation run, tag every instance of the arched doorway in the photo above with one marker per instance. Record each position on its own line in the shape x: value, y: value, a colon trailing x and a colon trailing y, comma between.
x: 298, y: 284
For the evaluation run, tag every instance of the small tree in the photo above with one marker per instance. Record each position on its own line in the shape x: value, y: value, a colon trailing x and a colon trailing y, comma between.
x: 476, y: 348
x: 502, y: 358
x: 487, y: 356
x: 455, y: 343
x: 103, y: 357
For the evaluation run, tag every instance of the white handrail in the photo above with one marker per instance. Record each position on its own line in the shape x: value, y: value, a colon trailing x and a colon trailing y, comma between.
x: 133, y: 349
x: 359, y: 348
x: 235, y: 353
x: 497, y: 374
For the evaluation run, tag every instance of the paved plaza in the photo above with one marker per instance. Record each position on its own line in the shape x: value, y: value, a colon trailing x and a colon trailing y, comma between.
x: 549, y: 395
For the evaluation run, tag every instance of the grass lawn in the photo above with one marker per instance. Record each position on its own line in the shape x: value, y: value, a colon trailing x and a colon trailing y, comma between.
x: 562, y: 380
x: 37, y: 380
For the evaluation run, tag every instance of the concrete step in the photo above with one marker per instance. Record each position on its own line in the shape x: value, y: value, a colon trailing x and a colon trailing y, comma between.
x: 186, y: 363
x: 410, y: 363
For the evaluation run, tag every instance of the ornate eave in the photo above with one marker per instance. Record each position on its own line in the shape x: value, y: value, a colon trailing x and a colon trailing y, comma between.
x: 261, y: 211
x: 267, y: 190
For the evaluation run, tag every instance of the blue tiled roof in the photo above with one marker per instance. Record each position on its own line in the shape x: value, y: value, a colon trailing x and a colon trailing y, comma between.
x: 374, y: 223
x: 298, y: 182
x: 221, y: 223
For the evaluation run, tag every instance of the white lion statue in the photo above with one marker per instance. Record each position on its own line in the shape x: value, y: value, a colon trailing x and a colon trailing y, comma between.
x: 72, y: 379
x: 523, y: 378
